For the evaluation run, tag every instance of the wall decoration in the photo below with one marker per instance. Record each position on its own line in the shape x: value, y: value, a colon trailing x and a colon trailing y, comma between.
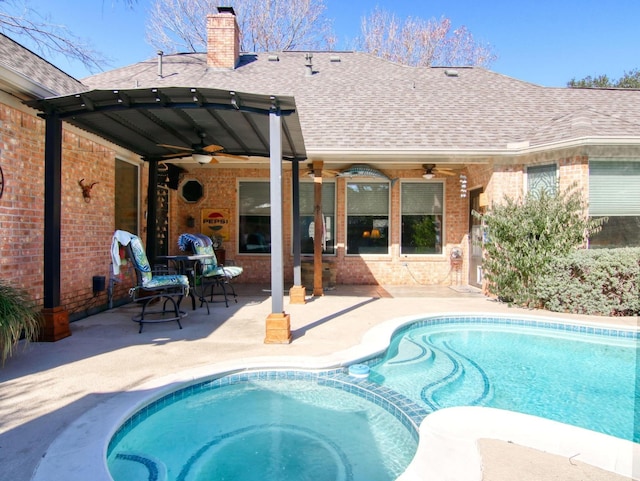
x: 1, y: 182
x: 215, y: 222
x: 86, y: 189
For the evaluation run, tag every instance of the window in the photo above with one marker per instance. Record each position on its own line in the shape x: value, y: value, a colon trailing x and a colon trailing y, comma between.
x: 542, y: 178
x: 307, y: 224
x: 126, y: 196
x: 367, y: 218
x: 191, y: 191
x: 422, y: 213
x: 614, y: 193
x: 254, y: 207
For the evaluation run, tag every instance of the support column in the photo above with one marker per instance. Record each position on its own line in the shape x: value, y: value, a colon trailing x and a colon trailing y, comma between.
x: 278, y: 328
x: 297, y: 293
x: 55, y: 318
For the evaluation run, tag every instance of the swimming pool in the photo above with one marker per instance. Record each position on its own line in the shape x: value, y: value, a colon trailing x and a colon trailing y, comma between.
x: 576, y: 375
x: 448, y: 437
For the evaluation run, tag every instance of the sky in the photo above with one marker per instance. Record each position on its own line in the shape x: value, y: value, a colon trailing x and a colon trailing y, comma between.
x: 546, y: 42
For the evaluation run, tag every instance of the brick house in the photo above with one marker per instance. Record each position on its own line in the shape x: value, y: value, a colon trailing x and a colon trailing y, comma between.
x: 430, y: 145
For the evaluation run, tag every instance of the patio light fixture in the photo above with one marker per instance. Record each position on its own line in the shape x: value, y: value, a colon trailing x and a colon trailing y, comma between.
x: 201, y: 158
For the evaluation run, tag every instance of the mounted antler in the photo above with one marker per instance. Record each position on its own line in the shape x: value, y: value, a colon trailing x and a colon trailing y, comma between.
x: 86, y: 189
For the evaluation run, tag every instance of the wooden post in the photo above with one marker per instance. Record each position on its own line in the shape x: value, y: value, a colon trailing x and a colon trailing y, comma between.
x: 318, y: 230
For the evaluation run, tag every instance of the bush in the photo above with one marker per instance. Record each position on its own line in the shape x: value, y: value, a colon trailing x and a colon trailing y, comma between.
x: 600, y: 282
x: 525, y: 237
x: 18, y: 318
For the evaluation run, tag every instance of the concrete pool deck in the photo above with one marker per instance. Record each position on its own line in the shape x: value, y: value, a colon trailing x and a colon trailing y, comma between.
x: 45, y: 387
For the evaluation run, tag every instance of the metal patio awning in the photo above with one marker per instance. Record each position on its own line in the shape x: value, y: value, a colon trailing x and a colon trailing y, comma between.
x: 142, y: 118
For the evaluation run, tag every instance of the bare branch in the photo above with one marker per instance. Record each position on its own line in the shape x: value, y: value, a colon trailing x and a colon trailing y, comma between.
x: 265, y: 25
x: 420, y: 42
x: 25, y: 24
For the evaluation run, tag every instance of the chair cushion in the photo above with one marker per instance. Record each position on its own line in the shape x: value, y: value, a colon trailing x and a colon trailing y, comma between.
x: 139, y: 258
x: 232, y: 271
x: 210, y: 267
x: 166, y: 280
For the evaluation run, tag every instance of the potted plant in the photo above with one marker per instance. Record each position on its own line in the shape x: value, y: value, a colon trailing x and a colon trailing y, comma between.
x: 19, y: 319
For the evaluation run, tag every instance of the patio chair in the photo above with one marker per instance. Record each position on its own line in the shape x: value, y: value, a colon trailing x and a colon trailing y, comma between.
x: 208, y: 274
x: 166, y: 289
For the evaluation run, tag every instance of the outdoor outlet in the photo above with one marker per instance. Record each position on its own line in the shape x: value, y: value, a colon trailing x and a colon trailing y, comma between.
x: 404, y: 264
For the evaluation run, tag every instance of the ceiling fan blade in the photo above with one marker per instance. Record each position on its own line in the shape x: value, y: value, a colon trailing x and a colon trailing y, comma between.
x: 444, y: 172
x: 176, y: 147
x: 176, y: 156
x: 212, y: 148
x: 232, y: 156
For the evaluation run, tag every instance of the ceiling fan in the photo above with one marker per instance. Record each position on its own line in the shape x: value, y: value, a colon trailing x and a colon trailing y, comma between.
x: 430, y: 170
x: 200, y: 152
x: 325, y: 172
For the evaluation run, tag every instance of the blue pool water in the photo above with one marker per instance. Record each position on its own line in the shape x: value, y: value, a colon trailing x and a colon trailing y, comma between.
x: 285, y: 428
x: 579, y: 378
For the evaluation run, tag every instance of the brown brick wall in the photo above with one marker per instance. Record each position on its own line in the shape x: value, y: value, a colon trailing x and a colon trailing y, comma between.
x: 220, y: 192
x: 86, y: 227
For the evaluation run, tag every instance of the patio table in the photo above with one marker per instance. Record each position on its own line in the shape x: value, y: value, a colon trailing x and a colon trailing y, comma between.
x: 185, y: 264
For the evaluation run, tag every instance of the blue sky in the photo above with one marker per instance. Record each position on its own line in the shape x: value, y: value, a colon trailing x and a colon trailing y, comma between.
x: 543, y: 42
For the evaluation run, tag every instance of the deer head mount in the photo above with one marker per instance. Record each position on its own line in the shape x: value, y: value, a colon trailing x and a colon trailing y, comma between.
x: 86, y: 189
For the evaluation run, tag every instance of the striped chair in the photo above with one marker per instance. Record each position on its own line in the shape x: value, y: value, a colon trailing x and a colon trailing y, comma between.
x: 208, y: 273
x: 170, y: 288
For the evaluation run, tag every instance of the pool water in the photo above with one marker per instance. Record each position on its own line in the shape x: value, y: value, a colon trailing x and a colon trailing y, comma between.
x: 580, y: 379
x: 263, y: 430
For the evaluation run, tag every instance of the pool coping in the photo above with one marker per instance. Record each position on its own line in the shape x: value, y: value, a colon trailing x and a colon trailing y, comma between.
x: 79, y: 453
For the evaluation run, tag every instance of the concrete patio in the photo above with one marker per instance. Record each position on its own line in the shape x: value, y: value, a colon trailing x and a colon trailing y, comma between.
x: 44, y: 387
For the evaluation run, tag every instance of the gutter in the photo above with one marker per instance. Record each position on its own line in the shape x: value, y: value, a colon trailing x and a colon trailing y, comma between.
x: 22, y: 86
x: 516, y: 149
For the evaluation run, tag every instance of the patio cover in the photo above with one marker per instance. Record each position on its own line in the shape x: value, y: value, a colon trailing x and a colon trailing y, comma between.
x: 142, y: 118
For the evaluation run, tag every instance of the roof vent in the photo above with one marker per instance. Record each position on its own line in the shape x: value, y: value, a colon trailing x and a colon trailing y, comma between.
x: 160, y: 53
x: 334, y: 58
x: 308, y: 64
x: 274, y: 58
x: 451, y: 73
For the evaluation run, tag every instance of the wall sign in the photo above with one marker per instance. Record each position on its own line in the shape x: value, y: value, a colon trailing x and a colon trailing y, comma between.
x: 215, y: 222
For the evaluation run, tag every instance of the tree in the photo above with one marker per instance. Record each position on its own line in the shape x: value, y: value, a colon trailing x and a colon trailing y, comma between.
x: 19, y: 20
x: 420, y: 42
x: 265, y: 25
x: 630, y: 80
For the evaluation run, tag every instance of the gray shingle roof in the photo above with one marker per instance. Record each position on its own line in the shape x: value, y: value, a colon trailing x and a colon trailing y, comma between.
x: 28, y: 65
x: 363, y: 103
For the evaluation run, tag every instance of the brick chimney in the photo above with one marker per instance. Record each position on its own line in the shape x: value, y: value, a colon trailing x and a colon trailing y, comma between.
x: 223, y: 39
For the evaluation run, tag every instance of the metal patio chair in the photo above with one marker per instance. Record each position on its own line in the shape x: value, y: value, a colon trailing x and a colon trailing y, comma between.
x: 162, y: 288
x: 208, y: 274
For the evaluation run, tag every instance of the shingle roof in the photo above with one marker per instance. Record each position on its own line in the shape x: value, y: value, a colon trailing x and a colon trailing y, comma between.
x: 29, y: 65
x: 357, y: 102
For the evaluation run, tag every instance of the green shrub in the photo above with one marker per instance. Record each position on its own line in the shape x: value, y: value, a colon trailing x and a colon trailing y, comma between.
x: 524, y: 237
x: 597, y: 282
x: 18, y: 318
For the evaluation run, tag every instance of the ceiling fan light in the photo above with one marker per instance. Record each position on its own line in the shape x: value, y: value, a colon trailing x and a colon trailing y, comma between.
x: 427, y: 175
x: 201, y: 158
